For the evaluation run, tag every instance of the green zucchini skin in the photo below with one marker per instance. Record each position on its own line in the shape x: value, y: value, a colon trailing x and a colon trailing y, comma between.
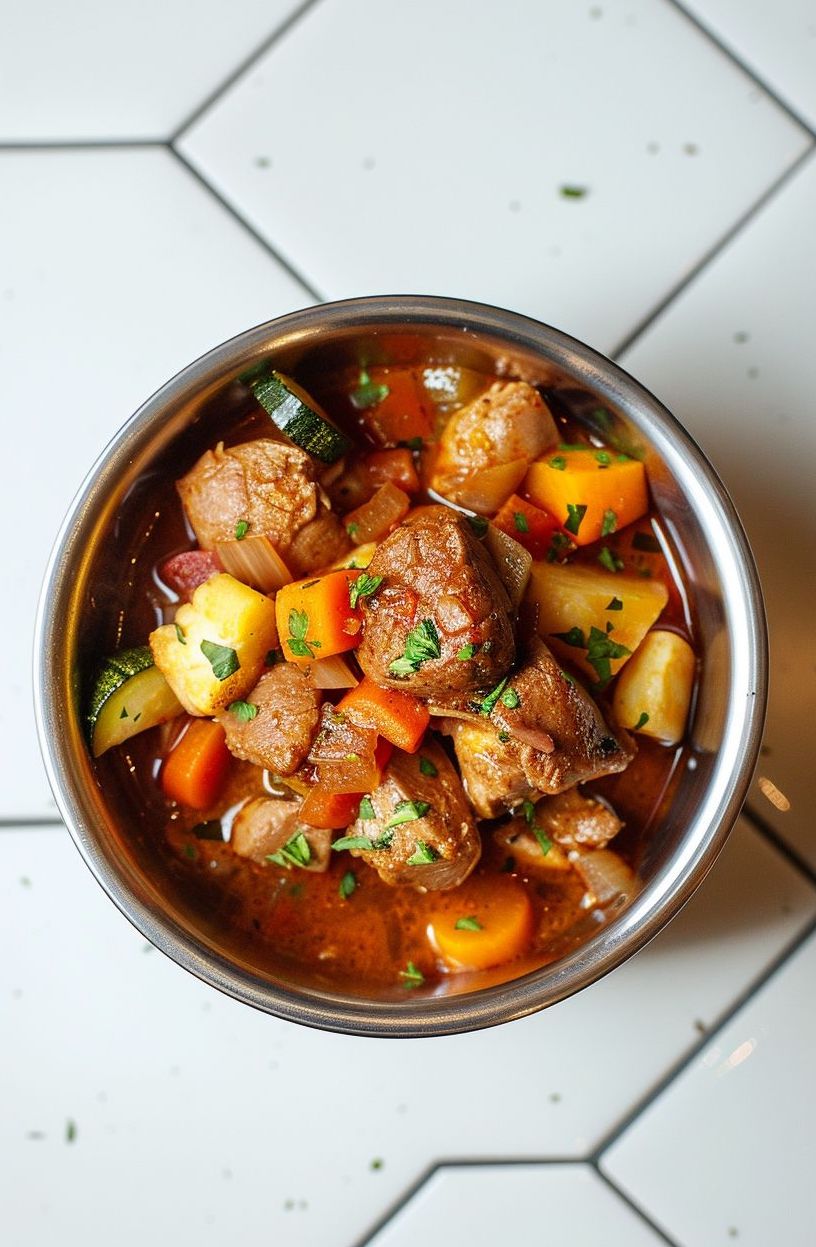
x: 299, y: 419
x: 112, y: 675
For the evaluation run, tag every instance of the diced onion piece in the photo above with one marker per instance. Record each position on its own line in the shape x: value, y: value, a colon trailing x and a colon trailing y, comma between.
x: 512, y: 561
x: 333, y: 672
x: 255, y: 562
x: 484, y: 491
x: 653, y: 692
x: 376, y: 518
x: 605, y: 875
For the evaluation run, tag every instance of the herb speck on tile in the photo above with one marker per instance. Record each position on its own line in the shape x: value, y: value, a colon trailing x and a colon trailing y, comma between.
x: 741, y: 336
x: 262, y: 162
x: 690, y: 149
x: 377, y: 1163
x: 25, y: 882
x: 555, y: 1097
x: 700, y: 1026
x: 70, y: 1131
x: 570, y: 191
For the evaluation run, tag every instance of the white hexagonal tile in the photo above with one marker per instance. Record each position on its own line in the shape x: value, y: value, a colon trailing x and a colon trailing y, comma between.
x: 777, y: 41
x: 236, y: 1122
x: 527, y: 1205
x: 726, y: 1155
x: 95, y: 70
x: 733, y: 359
x: 116, y: 269
x: 425, y: 147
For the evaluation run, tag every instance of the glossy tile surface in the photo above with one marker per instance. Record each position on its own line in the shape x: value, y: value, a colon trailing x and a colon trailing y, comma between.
x: 453, y: 182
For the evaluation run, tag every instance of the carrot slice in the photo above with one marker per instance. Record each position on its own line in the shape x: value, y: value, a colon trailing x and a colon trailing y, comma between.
x: 197, y: 767
x: 330, y: 809
x: 399, y: 717
x: 592, y: 493
x: 376, y: 518
x: 396, y: 466
x: 315, y: 618
x: 482, y: 923
x: 404, y: 413
x: 528, y: 525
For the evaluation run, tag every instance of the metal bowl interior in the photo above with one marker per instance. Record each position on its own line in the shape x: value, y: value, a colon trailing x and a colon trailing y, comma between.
x: 88, y: 576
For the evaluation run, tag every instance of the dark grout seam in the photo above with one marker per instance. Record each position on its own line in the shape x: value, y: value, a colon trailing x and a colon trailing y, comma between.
x: 245, y: 65
x: 77, y: 145
x: 712, y: 253
x: 712, y: 37
x: 770, y: 833
x: 645, y: 1102
x: 634, y: 1206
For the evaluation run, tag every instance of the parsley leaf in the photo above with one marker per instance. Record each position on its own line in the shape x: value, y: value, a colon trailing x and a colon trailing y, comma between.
x: 600, y: 653
x: 528, y: 810
x: 559, y: 543
x: 427, y: 767
x: 363, y: 587
x: 567, y: 676
x: 470, y: 923
x: 603, y: 457
x: 298, y: 627
x: 412, y: 443
x: 244, y: 711
x: 558, y: 462
x: 504, y: 737
x: 347, y: 884
x: 368, y: 393
x: 222, y: 659
x: 364, y: 842
x: 487, y: 704
x: 352, y: 528
x: 609, y: 524
x: 510, y: 699
x: 520, y: 522
x: 296, y: 852
x: 575, y: 514
x: 609, y: 560
x: 575, y: 637
x: 412, y: 977
x: 615, y: 605
x: 544, y: 841
x: 124, y: 714
x: 366, y: 812
x: 407, y: 812
x: 421, y: 644
x: 467, y: 652
x: 642, y: 721
x: 422, y: 855
x: 180, y: 637
x: 478, y: 523
x: 241, y: 530
x: 572, y: 192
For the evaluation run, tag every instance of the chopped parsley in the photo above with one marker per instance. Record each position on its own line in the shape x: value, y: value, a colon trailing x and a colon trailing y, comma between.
x: 520, y: 522
x: 427, y: 767
x: 70, y: 1131
x: 407, y: 812
x: 421, y: 644
x: 180, y: 637
x: 558, y: 462
x: 544, y: 842
x: 412, y: 443
x: 504, y: 737
x: 609, y: 524
x: 222, y: 659
x: 528, y: 810
x: 298, y: 627
x: 510, y: 699
x: 559, y: 543
x: 241, y: 529
x: 364, y: 842
x: 642, y: 721
x: 603, y: 457
x: 368, y: 393
x: 352, y: 528
x: 572, y: 192
x: 609, y: 560
x: 347, y: 884
x: 575, y: 514
x: 422, y: 855
x: 244, y: 711
x: 487, y: 704
x: 566, y: 676
x: 411, y: 976
x: 470, y: 923
x: 467, y: 652
x: 191, y: 851
x: 296, y: 852
x: 646, y: 542
x: 600, y: 653
x: 124, y: 714
x: 366, y: 812
x: 615, y: 605
x: 478, y: 523
x: 575, y: 637
x: 363, y: 587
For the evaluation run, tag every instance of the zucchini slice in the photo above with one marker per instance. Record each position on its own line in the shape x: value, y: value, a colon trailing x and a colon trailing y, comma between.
x: 300, y: 418
x: 129, y: 695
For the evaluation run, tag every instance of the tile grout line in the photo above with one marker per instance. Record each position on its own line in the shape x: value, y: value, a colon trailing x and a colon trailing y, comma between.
x: 664, y: 1083
x: 245, y: 65
x: 81, y: 145
x: 397, y: 1206
x: 712, y: 253
x: 768, y: 832
x: 634, y: 1206
x: 709, y: 34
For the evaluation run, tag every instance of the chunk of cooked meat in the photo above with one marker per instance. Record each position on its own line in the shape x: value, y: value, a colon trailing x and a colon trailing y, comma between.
x: 273, y: 488
x: 557, y: 733
x: 492, y: 775
x: 184, y: 572
x: 510, y: 421
x: 436, y: 850
x: 267, y: 824
x: 571, y: 819
x: 280, y: 735
x: 344, y: 753
x: 528, y: 852
x: 436, y: 578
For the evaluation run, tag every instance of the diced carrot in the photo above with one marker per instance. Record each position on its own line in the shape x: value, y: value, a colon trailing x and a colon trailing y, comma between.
x: 592, y: 493
x: 376, y: 518
x: 330, y: 809
x: 397, y: 716
x: 404, y: 413
x: 530, y: 526
x: 197, y: 767
x: 315, y: 618
x: 495, y: 920
x: 396, y: 466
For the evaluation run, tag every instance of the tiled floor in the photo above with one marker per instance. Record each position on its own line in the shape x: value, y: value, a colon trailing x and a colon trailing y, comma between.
x: 172, y: 173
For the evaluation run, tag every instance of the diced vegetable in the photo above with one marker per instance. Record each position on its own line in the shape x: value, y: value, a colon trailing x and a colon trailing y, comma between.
x: 315, y: 619
x: 653, y: 694
x: 376, y: 518
x: 197, y: 767
x: 511, y: 559
x: 527, y: 850
x: 500, y: 926
x: 394, y: 466
x: 577, y: 619
x: 346, y: 756
x: 399, y: 717
x: 215, y: 650
x: 484, y: 491
x: 591, y: 493
x: 129, y: 695
x: 451, y: 386
x: 606, y: 876
x: 334, y: 810
x: 394, y: 405
x: 255, y: 562
x: 528, y: 525
x: 300, y: 418
x: 184, y: 572
x: 361, y: 556
x: 332, y: 672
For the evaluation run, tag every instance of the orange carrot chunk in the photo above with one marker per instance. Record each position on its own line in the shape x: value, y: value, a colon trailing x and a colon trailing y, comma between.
x: 394, y: 406
x: 315, y: 618
x: 482, y: 923
x: 592, y: 493
x: 399, y: 717
x: 330, y: 809
x: 396, y: 466
x: 528, y: 525
x: 197, y: 767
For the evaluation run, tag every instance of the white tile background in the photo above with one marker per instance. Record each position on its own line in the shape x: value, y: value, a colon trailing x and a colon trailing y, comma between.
x: 172, y: 173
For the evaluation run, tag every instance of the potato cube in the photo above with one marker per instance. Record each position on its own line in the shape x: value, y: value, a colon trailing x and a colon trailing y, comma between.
x: 653, y: 694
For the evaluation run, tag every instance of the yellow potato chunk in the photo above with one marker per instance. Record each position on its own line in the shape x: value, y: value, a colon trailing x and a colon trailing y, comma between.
x: 653, y: 694
x: 360, y: 556
x: 215, y: 651
x: 571, y: 601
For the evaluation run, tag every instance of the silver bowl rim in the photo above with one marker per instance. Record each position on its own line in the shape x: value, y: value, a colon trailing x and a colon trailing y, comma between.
x: 661, y: 898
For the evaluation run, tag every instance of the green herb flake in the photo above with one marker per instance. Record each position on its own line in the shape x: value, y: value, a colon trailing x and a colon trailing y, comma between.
x: 427, y: 767
x: 544, y: 841
x: 70, y: 1131
x: 504, y: 737
x: 411, y: 976
x: 191, y: 851
x: 353, y: 842
x: 609, y: 524
x: 377, y: 1163
x: 421, y: 645
x: 407, y: 812
x: 510, y: 699
x: 574, y: 637
x: 363, y: 587
x: 609, y: 560
x: 572, y: 192
x: 137, y: 717
x: 366, y: 811
x: 296, y: 852
x: 467, y: 652
x: 558, y: 462
x: 352, y: 528
x: 470, y: 923
x: 559, y: 543
x: 575, y: 514
x: 603, y: 458
x: 566, y: 676
x: 528, y: 810
x: 180, y: 637
x: 347, y: 885
x: 520, y: 522
x: 642, y: 721
x: 615, y: 605
x: 124, y: 714
x: 222, y: 659
x: 422, y: 855
x: 601, y: 651
x: 241, y: 530
x: 298, y: 627
x: 244, y: 711
x: 368, y: 393
x: 487, y: 704
x: 478, y: 523
x: 412, y: 443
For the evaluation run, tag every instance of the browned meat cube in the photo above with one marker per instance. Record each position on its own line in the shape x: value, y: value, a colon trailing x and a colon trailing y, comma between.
x: 344, y: 754
x: 280, y: 734
x: 493, y: 777
x: 420, y: 823
x: 441, y: 619
x: 270, y: 825
x: 571, y: 819
x: 510, y: 421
